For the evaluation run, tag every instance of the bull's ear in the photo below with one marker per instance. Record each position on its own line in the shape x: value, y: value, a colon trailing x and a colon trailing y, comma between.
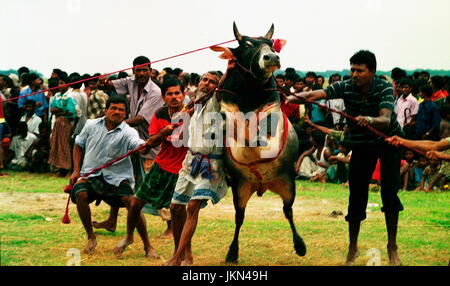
x: 227, y: 54
x: 237, y: 35
x: 269, y: 34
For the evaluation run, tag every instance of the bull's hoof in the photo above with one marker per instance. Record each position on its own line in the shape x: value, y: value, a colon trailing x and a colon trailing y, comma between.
x: 300, y: 247
x: 232, y: 255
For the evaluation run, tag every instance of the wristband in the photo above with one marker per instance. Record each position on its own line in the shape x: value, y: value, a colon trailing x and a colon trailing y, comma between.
x: 369, y: 119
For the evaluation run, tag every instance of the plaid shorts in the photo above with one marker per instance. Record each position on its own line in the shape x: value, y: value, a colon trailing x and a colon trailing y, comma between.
x: 157, y: 187
x: 98, y: 189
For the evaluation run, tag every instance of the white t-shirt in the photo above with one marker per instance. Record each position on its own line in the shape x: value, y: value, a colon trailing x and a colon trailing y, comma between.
x: 80, y: 98
x: 33, y: 123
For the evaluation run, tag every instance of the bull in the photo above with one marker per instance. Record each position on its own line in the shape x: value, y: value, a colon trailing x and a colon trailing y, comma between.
x: 266, y: 159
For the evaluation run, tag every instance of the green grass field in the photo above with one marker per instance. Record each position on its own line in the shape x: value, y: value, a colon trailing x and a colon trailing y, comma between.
x: 32, y: 206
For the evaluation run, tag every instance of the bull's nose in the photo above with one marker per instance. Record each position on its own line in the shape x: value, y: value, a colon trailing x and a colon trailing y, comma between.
x: 271, y: 57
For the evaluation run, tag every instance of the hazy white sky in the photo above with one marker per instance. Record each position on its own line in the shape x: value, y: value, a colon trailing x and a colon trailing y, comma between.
x: 89, y: 36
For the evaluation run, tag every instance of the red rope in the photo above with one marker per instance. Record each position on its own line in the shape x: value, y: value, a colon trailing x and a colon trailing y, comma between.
x: 94, y: 77
x: 370, y: 128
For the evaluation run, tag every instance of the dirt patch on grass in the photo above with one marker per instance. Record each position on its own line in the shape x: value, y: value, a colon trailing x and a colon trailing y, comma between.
x: 32, y: 203
x: 266, y: 207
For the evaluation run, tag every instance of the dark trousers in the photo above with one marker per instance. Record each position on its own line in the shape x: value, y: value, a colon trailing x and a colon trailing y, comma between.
x: 362, y: 164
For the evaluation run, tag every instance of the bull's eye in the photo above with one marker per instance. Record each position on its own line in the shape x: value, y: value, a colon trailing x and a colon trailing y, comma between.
x: 248, y: 43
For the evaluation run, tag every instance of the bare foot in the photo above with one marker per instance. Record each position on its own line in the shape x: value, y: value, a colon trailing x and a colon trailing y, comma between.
x: 90, y: 246
x: 166, y: 235
x: 394, y: 259
x: 151, y: 253
x: 120, y: 248
x: 105, y: 225
x: 187, y: 262
x: 351, y: 256
x: 172, y: 262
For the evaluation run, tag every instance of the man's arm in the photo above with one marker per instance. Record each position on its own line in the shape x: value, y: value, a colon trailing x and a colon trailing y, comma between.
x: 309, y: 95
x: 78, y: 156
x: 158, y: 138
x: 424, y: 145
x: 105, y: 84
x: 382, y: 121
x: 438, y: 155
x: 135, y: 121
x: 318, y: 127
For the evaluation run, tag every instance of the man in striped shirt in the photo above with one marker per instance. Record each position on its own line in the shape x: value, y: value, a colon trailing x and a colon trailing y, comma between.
x: 370, y: 100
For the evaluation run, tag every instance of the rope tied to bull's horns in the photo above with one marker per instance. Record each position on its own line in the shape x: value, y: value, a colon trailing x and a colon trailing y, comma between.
x: 370, y: 128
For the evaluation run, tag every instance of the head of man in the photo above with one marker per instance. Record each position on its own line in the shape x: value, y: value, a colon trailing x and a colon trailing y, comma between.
x: 29, y: 106
x: 406, y: 86
x: 63, y: 80
x: 35, y: 81
x: 299, y: 84
x: 279, y: 79
x: 208, y: 82
x: 142, y: 70
x: 116, y: 110
x: 310, y: 78
x: 320, y: 80
x: 334, y: 78
x: 172, y: 91
x: 363, y: 66
x: 2, y: 81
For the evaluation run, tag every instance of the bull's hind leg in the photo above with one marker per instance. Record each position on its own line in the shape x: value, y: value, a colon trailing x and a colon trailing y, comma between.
x: 241, y: 195
x: 286, y: 189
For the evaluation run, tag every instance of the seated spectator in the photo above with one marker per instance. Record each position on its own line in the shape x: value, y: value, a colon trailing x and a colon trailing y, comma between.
x: 429, y: 177
x: 422, y: 163
x: 30, y: 117
x: 338, y: 170
x: 19, y: 145
x: 319, y: 156
x: 407, y: 172
x: 39, y: 151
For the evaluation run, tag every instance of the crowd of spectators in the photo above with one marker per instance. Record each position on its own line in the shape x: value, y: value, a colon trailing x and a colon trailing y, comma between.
x: 37, y: 132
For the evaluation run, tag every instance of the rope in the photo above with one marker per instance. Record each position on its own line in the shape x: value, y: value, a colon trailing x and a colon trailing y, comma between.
x: 107, y: 74
x: 370, y: 128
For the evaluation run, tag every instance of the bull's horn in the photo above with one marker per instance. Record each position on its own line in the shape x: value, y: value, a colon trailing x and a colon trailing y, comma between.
x: 236, y: 32
x: 270, y: 33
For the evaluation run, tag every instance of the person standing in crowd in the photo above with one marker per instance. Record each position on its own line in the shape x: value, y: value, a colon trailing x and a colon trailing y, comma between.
x: 159, y: 183
x: 406, y: 108
x: 81, y: 103
x: 202, y: 175
x: 144, y: 99
x: 428, y: 117
x: 371, y: 101
x: 39, y: 97
x: 97, y: 100
x: 63, y: 107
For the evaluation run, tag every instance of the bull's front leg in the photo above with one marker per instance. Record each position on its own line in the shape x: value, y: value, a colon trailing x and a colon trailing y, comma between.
x: 241, y: 195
